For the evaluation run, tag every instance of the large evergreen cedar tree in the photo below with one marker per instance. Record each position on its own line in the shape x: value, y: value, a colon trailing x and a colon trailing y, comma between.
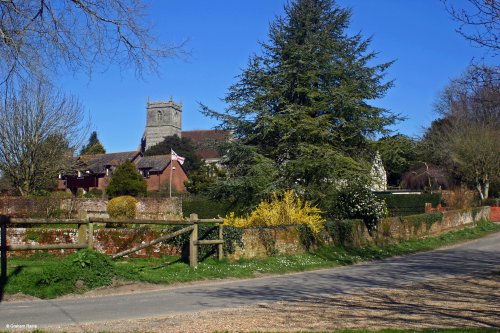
x: 183, y: 147
x: 299, y: 112
x: 126, y: 180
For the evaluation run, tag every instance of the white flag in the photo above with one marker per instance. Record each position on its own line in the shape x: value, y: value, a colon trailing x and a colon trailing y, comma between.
x: 175, y: 157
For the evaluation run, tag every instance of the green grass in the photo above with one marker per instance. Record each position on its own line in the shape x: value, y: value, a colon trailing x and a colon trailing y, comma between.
x: 37, y: 275
x: 45, y: 276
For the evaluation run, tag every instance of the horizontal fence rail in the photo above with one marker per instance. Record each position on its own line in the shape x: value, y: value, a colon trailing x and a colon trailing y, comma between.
x: 153, y: 242
x: 85, y: 228
x: 16, y: 220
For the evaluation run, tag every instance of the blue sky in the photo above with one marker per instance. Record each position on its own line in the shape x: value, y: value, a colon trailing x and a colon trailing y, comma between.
x: 221, y: 36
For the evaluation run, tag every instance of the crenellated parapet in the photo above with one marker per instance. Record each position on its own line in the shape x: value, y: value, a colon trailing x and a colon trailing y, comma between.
x: 163, y: 118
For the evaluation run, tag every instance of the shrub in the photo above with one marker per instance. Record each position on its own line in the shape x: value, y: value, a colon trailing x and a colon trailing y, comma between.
x: 126, y: 180
x: 122, y: 207
x: 94, y: 269
x: 284, y: 210
x: 356, y: 201
x: 80, y: 271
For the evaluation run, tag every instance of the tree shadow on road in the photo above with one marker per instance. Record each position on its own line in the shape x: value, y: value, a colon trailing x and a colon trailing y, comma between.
x: 447, y: 288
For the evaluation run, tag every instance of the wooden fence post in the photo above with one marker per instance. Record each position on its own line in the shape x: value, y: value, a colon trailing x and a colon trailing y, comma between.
x: 193, y: 242
x: 82, y: 233
x: 90, y: 236
x: 3, y: 246
x: 220, y: 247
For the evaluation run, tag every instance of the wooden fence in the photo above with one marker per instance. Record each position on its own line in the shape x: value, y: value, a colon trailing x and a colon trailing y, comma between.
x: 85, y: 237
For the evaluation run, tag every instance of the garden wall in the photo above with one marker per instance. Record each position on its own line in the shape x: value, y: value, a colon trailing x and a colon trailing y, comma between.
x: 47, y: 207
x: 264, y: 241
x: 106, y: 240
x: 288, y: 240
x: 495, y: 214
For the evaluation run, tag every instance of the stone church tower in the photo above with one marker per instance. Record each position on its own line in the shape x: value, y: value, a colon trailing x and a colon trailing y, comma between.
x: 162, y: 119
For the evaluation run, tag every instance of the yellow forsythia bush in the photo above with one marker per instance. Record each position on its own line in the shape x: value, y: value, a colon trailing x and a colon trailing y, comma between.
x: 287, y: 209
x: 123, y: 207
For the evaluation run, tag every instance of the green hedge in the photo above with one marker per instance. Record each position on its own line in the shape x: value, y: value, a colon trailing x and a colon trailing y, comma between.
x: 204, y: 207
x: 409, y: 204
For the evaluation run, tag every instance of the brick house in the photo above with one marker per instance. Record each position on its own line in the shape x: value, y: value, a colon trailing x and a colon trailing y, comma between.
x: 95, y: 171
x: 156, y: 170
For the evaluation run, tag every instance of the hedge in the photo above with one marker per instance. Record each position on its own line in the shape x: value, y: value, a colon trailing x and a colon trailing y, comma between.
x: 409, y: 204
x: 204, y: 207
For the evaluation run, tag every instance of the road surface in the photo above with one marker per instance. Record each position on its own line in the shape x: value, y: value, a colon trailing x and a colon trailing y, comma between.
x: 479, y: 255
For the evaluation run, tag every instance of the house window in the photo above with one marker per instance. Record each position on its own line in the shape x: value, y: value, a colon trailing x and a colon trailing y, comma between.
x: 107, y: 171
x: 79, y: 173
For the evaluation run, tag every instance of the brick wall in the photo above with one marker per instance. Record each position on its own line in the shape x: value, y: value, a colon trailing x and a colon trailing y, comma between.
x: 106, y: 240
x: 495, y: 214
x: 257, y: 242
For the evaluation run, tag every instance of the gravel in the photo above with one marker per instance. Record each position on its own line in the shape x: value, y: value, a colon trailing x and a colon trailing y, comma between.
x: 461, y: 301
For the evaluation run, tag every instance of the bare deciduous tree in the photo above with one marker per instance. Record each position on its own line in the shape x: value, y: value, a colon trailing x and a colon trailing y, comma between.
x: 38, y: 36
x: 476, y: 151
x: 469, y: 132
x: 39, y: 130
x: 479, y: 22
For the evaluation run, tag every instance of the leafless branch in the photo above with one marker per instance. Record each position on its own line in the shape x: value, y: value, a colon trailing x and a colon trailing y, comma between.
x: 40, y: 36
x: 479, y: 22
x: 470, y: 126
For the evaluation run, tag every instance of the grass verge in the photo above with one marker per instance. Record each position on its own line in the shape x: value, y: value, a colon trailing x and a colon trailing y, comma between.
x: 46, y: 276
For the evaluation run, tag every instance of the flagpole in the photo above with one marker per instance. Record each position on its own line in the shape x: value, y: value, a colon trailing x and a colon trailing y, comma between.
x: 171, y: 171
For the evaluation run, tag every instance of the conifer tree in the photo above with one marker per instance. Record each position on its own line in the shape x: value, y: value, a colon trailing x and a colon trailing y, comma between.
x: 126, y: 180
x: 93, y: 147
x: 304, y: 101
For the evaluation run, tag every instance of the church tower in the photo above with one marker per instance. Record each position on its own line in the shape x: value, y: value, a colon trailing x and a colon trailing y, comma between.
x: 162, y: 119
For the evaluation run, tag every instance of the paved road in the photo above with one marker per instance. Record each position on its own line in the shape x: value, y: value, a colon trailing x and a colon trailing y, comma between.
x: 478, y: 255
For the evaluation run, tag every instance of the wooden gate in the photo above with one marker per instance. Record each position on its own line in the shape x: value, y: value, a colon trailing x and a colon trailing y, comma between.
x: 85, y: 229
